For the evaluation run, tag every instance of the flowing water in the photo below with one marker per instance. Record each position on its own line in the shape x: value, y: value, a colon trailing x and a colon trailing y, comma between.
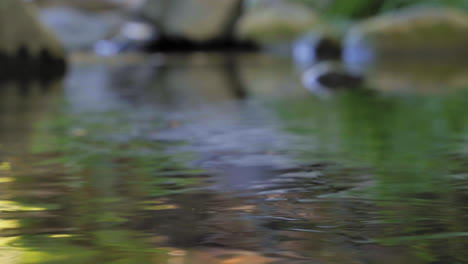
x: 226, y: 159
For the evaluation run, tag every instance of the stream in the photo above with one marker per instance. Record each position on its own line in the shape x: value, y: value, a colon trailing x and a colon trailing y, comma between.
x: 226, y: 159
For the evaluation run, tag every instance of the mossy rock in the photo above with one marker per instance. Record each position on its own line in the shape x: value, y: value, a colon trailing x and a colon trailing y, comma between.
x: 197, y: 20
x: 412, y: 32
x: 277, y: 22
x: 21, y: 31
x: 86, y: 5
x: 27, y: 49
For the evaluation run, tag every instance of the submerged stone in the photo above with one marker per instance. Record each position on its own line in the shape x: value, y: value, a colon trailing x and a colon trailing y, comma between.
x: 418, y: 31
x: 327, y: 77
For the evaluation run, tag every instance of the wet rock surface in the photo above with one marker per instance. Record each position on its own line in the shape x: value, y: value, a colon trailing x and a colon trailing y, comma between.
x: 270, y: 22
x: 26, y: 67
x: 27, y: 35
x: 28, y: 50
x: 80, y: 29
x: 325, y: 78
x: 196, y: 20
x: 91, y: 5
x: 418, y: 32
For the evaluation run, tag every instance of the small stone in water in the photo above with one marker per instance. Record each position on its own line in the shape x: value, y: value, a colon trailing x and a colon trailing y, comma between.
x: 304, y: 175
x: 177, y: 253
x: 79, y: 132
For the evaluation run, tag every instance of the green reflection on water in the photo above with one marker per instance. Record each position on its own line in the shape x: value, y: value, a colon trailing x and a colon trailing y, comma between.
x: 415, y: 149
x: 94, y: 190
x: 86, y: 188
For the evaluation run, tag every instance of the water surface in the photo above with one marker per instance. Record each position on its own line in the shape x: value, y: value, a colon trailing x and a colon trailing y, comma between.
x: 227, y: 159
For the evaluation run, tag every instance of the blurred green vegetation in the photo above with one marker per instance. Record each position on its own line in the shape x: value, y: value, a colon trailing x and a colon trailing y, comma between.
x: 357, y: 9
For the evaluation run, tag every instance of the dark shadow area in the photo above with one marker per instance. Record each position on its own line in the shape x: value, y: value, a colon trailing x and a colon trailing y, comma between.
x: 24, y: 67
x: 183, y: 45
x: 185, y: 80
x: 327, y: 49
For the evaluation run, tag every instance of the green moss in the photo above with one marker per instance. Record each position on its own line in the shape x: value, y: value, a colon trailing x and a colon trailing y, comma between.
x: 358, y: 9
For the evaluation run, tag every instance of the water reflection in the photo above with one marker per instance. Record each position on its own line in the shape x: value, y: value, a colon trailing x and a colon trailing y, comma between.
x: 227, y: 160
x: 325, y: 78
x: 76, y: 192
x: 412, y: 145
x: 417, y: 75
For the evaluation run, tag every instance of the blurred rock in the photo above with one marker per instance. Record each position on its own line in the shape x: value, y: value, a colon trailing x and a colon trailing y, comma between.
x: 92, y: 5
x: 197, y: 20
x: 132, y: 36
x: 315, y: 47
x: 21, y: 32
x: 417, y: 32
x: 328, y: 77
x: 277, y: 21
x: 78, y: 29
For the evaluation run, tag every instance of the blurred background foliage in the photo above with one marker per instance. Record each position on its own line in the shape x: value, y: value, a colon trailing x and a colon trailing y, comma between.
x: 364, y: 8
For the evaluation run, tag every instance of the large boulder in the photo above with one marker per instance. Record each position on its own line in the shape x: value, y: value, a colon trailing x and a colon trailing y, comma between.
x: 197, y: 20
x: 415, y: 32
x: 89, y: 5
x: 20, y: 30
x: 81, y: 29
x: 271, y: 22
